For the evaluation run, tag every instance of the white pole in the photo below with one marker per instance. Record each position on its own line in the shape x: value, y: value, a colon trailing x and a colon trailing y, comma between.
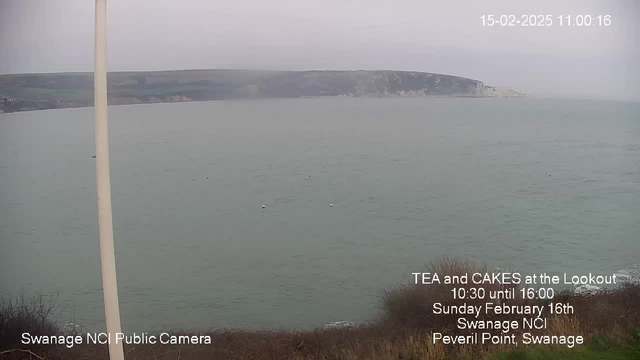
x: 105, y: 221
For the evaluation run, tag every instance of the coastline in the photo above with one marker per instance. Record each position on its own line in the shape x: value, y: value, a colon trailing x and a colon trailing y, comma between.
x: 168, y: 101
x: 27, y: 92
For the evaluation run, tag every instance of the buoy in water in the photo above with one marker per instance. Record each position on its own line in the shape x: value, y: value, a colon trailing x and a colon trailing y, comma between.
x: 264, y: 206
x: 330, y: 205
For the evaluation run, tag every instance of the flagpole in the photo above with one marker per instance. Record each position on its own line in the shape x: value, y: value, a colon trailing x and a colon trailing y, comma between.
x: 105, y: 220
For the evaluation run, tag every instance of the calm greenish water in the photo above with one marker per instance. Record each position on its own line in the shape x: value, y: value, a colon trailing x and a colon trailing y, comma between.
x: 411, y: 180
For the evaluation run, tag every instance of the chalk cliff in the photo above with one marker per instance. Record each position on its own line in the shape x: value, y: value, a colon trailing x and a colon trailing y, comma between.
x: 46, y: 91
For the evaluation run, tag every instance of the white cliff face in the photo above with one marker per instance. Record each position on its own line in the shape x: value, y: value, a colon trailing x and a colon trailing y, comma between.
x: 491, y: 91
x: 480, y: 89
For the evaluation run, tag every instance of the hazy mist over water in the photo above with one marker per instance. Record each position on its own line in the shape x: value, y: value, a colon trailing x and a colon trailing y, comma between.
x: 445, y: 37
x: 529, y: 184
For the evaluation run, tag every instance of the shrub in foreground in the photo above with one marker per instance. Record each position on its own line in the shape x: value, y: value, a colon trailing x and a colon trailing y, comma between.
x: 402, y: 332
x: 26, y: 314
x: 412, y: 305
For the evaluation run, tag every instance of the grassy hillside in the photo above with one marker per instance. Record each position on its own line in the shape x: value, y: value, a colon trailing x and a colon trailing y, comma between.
x: 46, y: 91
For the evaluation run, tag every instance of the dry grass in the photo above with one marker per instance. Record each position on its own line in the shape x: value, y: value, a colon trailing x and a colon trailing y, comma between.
x: 411, y: 305
x: 403, y: 330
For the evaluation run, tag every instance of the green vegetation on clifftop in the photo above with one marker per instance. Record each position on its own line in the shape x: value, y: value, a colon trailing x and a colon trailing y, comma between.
x: 23, y: 92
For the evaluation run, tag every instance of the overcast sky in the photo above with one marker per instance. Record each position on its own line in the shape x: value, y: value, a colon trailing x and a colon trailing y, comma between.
x: 422, y: 35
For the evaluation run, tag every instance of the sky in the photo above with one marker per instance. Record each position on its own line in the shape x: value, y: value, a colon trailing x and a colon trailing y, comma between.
x: 445, y: 37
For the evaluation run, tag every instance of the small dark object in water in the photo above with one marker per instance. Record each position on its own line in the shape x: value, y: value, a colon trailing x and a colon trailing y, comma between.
x: 93, y: 157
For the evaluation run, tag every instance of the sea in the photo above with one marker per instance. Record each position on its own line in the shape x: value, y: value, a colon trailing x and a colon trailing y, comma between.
x: 294, y: 213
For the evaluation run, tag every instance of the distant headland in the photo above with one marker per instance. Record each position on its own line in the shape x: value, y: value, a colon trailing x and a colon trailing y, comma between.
x: 24, y: 92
